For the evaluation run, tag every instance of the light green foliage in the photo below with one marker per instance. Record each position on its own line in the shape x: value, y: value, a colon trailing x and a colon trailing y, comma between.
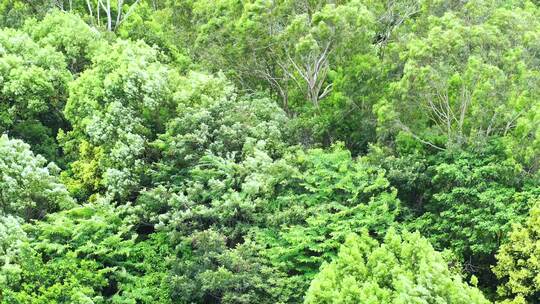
x: 33, y: 86
x: 116, y: 107
x: 402, y: 269
x: 12, y: 237
x: 289, y: 48
x: 212, y: 120
x: 156, y: 27
x: 69, y: 35
x: 235, y: 196
x: 318, y: 37
x: 518, y: 264
x: 315, y: 57
x: 29, y: 188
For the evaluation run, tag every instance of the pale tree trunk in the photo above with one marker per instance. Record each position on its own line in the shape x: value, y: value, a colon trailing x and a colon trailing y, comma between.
x: 109, y: 15
x: 107, y: 8
x: 98, y: 14
x: 119, y: 15
x: 313, y: 74
x: 89, y: 6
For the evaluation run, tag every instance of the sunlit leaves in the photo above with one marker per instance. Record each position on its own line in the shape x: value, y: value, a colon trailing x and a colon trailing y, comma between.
x: 402, y: 269
x: 29, y: 188
x: 518, y: 261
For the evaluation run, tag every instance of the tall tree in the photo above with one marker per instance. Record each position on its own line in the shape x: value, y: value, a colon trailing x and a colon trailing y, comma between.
x: 34, y: 88
x: 116, y: 107
x: 469, y: 75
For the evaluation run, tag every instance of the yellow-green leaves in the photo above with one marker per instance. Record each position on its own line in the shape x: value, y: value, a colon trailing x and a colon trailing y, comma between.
x: 116, y: 106
x: 402, y: 269
x: 518, y: 261
x: 68, y: 34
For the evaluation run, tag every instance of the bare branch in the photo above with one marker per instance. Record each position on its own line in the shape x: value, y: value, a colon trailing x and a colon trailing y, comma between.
x: 327, y: 90
x: 119, y: 5
x: 406, y: 129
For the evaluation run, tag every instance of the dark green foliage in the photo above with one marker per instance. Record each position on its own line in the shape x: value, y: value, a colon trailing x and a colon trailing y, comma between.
x: 326, y: 196
x: 87, y: 255
x: 210, y: 271
x: 463, y: 200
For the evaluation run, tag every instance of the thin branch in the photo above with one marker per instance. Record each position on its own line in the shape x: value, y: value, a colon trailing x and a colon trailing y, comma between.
x: 128, y: 13
x: 326, y: 91
x: 406, y: 129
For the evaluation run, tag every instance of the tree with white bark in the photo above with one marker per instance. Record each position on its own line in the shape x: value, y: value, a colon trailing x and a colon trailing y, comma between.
x: 109, y: 13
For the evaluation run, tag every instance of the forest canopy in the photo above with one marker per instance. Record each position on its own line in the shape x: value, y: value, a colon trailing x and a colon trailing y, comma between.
x: 269, y: 151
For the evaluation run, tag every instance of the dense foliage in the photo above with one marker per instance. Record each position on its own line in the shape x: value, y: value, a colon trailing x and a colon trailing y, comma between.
x: 257, y: 151
x: 518, y: 261
x: 401, y: 270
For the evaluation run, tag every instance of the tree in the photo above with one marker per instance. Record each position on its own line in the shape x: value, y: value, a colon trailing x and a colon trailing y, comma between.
x: 473, y: 201
x: 221, y: 151
x: 211, y: 119
x: 291, y: 46
x: 114, y: 13
x: 471, y: 84
x: 155, y: 25
x: 116, y: 107
x: 34, y: 88
x: 69, y: 34
x: 317, y: 38
x: 13, y: 13
x: 517, y: 261
x: 402, y: 269
x: 12, y: 238
x: 463, y: 200
x: 220, y: 165
x: 212, y: 272
x: 28, y: 187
